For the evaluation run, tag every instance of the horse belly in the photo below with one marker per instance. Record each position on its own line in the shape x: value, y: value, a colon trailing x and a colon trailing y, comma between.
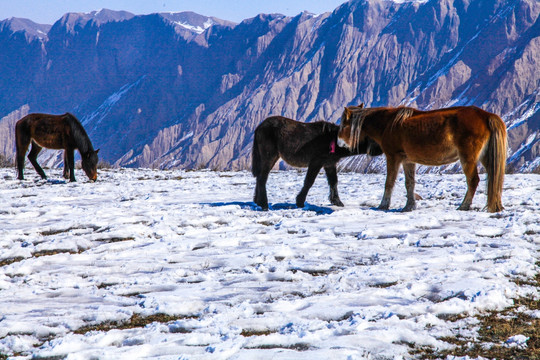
x: 434, y: 156
x: 49, y: 141
x: 297, y: 158
x: 295, y: 161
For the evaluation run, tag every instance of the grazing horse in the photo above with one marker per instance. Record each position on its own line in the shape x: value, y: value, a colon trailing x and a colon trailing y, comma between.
x: 311, y: 145
x: 55, y: 132
x: 408, y: 136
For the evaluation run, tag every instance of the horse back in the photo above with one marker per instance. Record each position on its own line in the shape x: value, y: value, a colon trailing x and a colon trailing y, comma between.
x: 296, y: 142
x: 50, y: 131
x: 438, y: 137
x: 436, y: 125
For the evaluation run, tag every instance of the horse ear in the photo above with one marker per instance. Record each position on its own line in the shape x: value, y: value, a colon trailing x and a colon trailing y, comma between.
x: 97, y: 151
x: 361, y: 106
x: 347, y: 113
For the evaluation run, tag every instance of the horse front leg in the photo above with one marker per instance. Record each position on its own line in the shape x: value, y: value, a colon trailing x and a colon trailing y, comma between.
x: 66, y: 173
x: 69, y: 154
x: 20, y: 166
x: 392, y: 168
x: 410, y: 169
x: 331, y: 175
x: 313, y: 170
x: 32, y: 156
x: 471, y: 173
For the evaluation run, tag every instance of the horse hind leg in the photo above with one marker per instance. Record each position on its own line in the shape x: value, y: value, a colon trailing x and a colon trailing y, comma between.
x: 266, y: 164
x: 261, y: 198
x: 22, y: 143
x: 331, y: 175
x: 409, y: 169
x: 471, y: 173
x: 264, y: 155
x: 32, y: 156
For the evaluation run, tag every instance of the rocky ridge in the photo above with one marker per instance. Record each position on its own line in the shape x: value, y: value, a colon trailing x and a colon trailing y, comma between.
x: 186, y: 91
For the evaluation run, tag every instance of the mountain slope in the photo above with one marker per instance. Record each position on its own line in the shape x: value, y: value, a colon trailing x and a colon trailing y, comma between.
x: 182, y: 90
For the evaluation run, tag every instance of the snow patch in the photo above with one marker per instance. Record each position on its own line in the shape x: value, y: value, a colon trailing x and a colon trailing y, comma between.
x: 319, y: 282
x: 104, y: 109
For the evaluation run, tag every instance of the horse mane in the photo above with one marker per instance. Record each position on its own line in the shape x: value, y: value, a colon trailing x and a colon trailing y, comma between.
x: 79, y: 134
x: 327, y: 127
x: 359, y: 114
x: 402, y: 114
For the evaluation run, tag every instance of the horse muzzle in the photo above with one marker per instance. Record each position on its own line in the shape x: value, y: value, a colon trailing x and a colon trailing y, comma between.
x: 342, y: 143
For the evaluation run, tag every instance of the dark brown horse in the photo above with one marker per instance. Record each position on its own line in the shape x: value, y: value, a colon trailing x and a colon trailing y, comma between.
x: 311, y: 145
x: 55, y: 132
x: 408, y: 136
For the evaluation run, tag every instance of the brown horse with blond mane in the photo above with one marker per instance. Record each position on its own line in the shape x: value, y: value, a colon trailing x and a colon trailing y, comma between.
x: 409, y: 136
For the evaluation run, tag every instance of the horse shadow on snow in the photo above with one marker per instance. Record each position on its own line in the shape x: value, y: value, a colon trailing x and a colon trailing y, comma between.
x: 250, y: 205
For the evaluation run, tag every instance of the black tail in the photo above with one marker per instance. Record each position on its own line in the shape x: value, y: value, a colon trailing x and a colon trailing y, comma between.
x: 255, y: 157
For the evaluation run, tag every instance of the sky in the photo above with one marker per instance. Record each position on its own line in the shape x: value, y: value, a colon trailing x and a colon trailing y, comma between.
x: 47, y: 12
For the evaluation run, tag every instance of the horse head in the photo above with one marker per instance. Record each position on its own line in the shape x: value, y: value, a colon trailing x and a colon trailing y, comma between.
x: 350, y: 133
x: 89, y: 164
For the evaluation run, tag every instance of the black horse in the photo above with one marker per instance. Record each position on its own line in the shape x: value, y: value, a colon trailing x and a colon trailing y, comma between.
x: 311, y: 145
x: 55, y: 132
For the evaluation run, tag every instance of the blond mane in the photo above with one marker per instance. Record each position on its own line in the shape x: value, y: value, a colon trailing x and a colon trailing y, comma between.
x: 358, y: 115
x: 402, y: 114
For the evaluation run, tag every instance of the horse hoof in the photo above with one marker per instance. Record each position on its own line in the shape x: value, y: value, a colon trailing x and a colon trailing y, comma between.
x: 300, y: 205
x: 264, y: 207
x: 409, y: 206
x: 338, y: 203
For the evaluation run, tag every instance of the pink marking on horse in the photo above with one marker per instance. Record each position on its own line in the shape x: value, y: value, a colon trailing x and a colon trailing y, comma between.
x: 333, y: 147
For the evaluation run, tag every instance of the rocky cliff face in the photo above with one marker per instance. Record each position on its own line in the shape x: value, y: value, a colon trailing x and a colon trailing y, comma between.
x: 182, y: 90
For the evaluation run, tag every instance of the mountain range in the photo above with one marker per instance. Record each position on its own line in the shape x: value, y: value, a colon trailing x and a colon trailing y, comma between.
x: 182, y: 90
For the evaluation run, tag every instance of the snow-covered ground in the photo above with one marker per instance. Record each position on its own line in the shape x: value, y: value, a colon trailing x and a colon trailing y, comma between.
x: 315, y: 283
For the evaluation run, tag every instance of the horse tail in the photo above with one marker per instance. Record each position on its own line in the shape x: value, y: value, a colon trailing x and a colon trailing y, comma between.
x: 255, y: 156
x: 495, y: 162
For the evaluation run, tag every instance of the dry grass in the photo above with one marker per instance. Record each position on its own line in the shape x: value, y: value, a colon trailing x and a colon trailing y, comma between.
x: 136, y: 321
x: 9, y: 261
x: 252, y: 332
x: 5, y: 162
x: 40, y: 253
x: 296, y: 347
x: 495, y: 328
x: 103, y: 164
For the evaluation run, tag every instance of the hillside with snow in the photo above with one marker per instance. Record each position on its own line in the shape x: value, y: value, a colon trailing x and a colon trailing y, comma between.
x: 182, y: 265
x: 182, y: 90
